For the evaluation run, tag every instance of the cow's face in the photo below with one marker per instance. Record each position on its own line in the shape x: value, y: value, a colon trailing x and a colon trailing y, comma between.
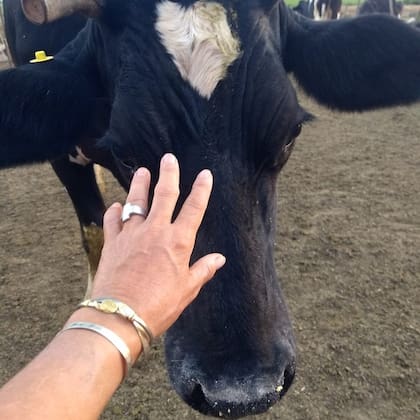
x: 205, y: 80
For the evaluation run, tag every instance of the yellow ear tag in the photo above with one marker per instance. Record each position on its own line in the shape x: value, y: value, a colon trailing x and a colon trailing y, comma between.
x: 41, y: 57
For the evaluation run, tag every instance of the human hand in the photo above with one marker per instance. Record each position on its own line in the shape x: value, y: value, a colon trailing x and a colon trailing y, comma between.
x: 145, y: 262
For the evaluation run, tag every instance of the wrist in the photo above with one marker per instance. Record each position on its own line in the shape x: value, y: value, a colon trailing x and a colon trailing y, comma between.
x: 120, y: 326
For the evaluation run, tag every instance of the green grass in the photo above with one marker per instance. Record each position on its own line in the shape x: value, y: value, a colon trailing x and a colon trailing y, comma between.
x: 293, y: 3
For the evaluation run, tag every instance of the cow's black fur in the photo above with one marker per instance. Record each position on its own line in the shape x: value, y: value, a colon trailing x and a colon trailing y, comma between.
x: 24, y: 38
x: 365, y: 57
x: 233, y: 348
x: 44, y: 135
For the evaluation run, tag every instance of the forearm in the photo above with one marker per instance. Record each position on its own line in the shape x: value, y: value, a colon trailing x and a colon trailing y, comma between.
x: 145, y: 262
x: 74, y: 377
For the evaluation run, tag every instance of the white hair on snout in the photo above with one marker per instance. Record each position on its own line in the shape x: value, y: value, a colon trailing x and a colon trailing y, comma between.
x: 200, y: 41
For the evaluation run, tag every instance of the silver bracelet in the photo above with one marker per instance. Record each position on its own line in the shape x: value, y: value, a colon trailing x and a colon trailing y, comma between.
x: 114, y: 306
x: 113, y: 338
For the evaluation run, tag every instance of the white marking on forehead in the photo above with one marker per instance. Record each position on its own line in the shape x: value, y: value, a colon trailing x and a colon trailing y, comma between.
x: 200, y: 41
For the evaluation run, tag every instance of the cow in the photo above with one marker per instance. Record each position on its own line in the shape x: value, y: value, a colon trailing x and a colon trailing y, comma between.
x: 327, y: 9
x: 391, y: 7
x: 207, y: 81
x: 76, y: 172
x: 305, y: 8
x: 319, y: 9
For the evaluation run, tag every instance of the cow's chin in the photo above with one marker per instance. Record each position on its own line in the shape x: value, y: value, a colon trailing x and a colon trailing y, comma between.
x: 240, y: 391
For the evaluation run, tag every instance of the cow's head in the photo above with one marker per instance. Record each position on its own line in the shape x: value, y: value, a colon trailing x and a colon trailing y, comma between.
x: 208, y: 81
x: 205, y: 80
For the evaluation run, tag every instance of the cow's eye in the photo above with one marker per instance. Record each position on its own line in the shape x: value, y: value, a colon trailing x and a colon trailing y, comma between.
x: 129, y: 163
x: 122, y: 157
x: 294, y: 135
x: 296, y: 131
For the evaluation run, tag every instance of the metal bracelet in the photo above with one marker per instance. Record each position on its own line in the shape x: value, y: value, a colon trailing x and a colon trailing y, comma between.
x: 114, y: 306
x: 113, y: 338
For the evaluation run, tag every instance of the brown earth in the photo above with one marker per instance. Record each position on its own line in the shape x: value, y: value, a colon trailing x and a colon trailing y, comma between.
x: 348, y: 254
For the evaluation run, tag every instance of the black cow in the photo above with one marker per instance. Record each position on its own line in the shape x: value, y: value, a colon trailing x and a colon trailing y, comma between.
x: 74, y: 169
x: 209, y: 82
x: 319, y: 9
x: 328, y: 9
x: 390, y: 7
x: 305, y: 8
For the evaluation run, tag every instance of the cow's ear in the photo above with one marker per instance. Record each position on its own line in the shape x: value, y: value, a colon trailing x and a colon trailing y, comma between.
x: 355, y: 64
x: 45, y: 109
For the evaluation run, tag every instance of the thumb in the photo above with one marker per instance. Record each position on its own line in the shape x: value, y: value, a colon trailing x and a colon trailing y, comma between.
x: 205, y: 268
x: 112, y: 222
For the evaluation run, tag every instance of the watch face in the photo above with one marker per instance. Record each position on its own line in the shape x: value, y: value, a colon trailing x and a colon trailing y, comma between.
x: 108, y: 306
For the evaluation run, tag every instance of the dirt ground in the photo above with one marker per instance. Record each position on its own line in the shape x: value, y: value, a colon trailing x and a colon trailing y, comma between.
x: 348, y: 255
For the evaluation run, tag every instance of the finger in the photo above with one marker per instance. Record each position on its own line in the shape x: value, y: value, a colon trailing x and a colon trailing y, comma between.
x: 194, y: 207
x: 112, y: 222
x: 206, y: 267
x: 139, y: 192
x: 166, y: 191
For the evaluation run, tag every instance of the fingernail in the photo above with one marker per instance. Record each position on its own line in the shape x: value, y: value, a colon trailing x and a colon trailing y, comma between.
x: 168, y: 160
x: 141, y: 172
x: 205, y: 175
x: 220, y: 261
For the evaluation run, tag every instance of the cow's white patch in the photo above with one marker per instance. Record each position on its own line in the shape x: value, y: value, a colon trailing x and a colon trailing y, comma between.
x: 200, y: 41
x: 80, y: 158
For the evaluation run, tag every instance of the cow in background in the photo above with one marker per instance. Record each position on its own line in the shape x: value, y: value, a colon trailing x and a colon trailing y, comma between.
x: 319, y: 9
x: 327, y: 9
x: 305, y: 8
x: 208, y: 81
x: 75, y: 170
x: 389, y: 7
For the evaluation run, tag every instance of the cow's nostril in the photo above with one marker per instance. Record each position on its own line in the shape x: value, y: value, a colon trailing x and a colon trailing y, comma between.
x: 236, y: 388
x: 226, y: 403
x: 289, y: 376
x: 197, y: 399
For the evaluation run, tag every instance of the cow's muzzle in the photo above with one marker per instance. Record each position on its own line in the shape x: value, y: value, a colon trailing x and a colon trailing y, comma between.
x: 233, y: 400
x: 234, y: 388
x: 44, y: 11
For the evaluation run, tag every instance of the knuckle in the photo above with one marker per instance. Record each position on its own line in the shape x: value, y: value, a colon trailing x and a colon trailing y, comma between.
x: 194, y: 293
x: 181, y: 243
x: 166, y: 192
x: 186, y: 235
x: 136, y: 199
x: 109, y: 215
x: 195, y: 204
x: 209, y: 271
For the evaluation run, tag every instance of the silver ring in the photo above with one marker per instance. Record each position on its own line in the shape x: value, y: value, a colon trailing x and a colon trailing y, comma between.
x: 130, y: 209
